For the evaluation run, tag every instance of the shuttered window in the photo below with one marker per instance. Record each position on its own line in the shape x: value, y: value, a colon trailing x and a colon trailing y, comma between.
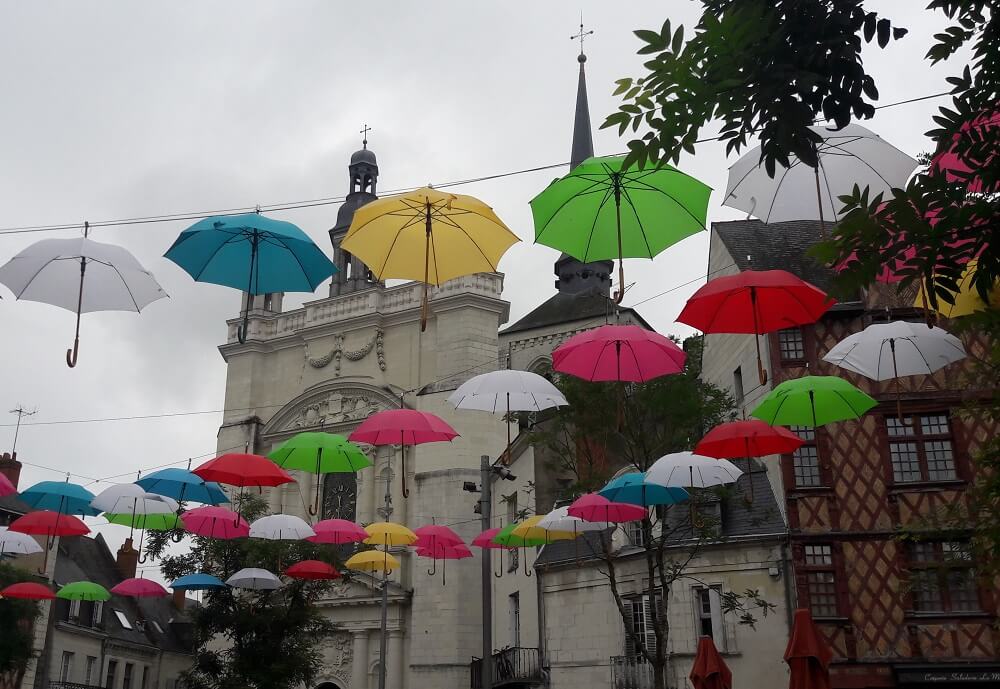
x: 640, y: 617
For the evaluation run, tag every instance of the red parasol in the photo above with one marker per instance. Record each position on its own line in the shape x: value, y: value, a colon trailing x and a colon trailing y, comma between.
x: 624, y: 353
x: 808, y: 655
x: 312, y: 570
x: 48, y: 523
x: 28, y: 590
x: 242, y: 470
x: 752, y: 438
x: 710, y: 670
x: 139, y: 588
x: 337, y: 532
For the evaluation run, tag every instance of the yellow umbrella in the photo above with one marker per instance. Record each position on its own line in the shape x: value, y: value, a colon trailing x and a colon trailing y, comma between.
x: 967, y: 299
x: 389, y: 534
x: 428, y: 235
x: 528, y: 529
x: 372, y: 561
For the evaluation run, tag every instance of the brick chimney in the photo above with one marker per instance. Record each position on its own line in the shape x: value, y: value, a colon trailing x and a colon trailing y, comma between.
x: 128, y: 559
x: 10, y: 467
x: 179, y: 598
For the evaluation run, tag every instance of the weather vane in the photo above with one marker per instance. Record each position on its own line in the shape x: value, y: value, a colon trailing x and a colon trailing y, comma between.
x: 364, y: 133
x: 583, y: 34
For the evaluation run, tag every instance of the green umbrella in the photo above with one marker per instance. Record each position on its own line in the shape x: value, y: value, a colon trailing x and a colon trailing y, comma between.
x: 83, y: 590
x: 599, y: 212
x: 813, y: 401
x: 319, y: 453
x: 156, y: 522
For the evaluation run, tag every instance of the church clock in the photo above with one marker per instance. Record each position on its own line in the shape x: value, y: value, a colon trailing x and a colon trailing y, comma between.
x: 340, y: 496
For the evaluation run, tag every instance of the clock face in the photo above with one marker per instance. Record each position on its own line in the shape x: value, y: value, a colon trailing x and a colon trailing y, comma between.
x: 340, y: 496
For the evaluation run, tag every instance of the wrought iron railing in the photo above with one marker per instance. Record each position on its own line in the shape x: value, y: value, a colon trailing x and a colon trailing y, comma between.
x: 511, y: 665
x: 631, y: 672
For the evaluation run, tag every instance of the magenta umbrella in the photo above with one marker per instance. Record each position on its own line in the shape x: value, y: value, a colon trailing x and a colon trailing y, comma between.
x: 337, y: 532
x: 139, y: 588
x: 625, y: 353
x: 6, y: 487
x: 442, y: 552
x: 215, y: 522
x: 957, y: 169
x: 485, y: 541
x: 434, y: 539
x: 597, y: 508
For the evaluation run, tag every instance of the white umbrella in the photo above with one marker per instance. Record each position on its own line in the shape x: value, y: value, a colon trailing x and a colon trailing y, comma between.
x: 254, y: 579
x: 849, y: 156
x: 559, y: 519
x: 17, y: 543
x: 688, y: 470
x: 281, y: 527
x: 80, y: 275
x: 125, y: 498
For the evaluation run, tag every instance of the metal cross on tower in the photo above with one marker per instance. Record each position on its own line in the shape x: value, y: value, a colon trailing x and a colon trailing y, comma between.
x: 364, y: 133
x: 582, y: 35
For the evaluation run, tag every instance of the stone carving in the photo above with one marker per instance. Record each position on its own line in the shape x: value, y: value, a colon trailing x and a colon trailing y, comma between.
x: 341, y: 650
x: 340, y: 589
x: 338, y: 407
x: 377, y: 343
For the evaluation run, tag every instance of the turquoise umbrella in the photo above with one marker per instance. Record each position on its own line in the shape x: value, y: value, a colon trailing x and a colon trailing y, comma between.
x: 60, y: 496
x: 253, y: 253
x: 635, y: 490
x: 183, y: 485
x: 198, y: 581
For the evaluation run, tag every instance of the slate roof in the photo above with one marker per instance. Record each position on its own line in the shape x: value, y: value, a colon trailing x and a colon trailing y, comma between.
x: 563, y: 307
x: 775, y: 246
x: 14, y: 505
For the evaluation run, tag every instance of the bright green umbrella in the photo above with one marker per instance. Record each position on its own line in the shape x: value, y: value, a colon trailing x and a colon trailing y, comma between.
x: 599, y: 212
x: 83, y: 590
x: 508, y: 540
x: 319, y: 453
x: 156, y: 522
x: 813, y: 401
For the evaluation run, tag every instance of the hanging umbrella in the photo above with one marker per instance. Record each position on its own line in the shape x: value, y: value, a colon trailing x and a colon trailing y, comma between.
x: 688, y: 470
x: 560, y: 519
x: 130, y: 497
x: 709, y: 670
x: 139, y: 588
x: 253, y: 253
x: 601, y: 211
x: 281, y: 527
x: 389, y: 534
x: 432, y: 539
x: 242, y: 470
x: 153, y: 522
x: 635, y: 490
x: 808, y: 654
x: 60, y: 496
x: 847, y: 157
x: 958, y: 168
x: 215, y: 522
x: 624, y: 353
x: 254, y: 579
x: 428, y: 235
x: 27, y: 590
x: 197, y: 582
x: 752, y: 438
x: 530, y: 529
x: 885, y: 351
x: 80, y: 275
x: 505, y: 538
x: 83, y: 590
x: 183, y: 486
x: 319, y: 453
x: 6, y: 487
x: 754, y: 302
x: 485, y: 541
x: 49, y: 524
x: 372, y: 561
x: 402, y: 427
x: 312, y: 570
x: 593, y: 507
x: 15, y: 543
x: 337, y: 532
x: 966, y: 301
x: 813, y: 401
x: 440, y: 551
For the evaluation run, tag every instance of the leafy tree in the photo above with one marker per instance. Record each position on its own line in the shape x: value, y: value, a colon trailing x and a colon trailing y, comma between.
x: 17, y: 620
x: 586, y: 441
x: 263, y: 640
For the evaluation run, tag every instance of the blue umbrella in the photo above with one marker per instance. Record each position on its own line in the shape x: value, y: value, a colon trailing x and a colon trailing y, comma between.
x: 633, y: 489
x: 253, y: 253
x: 197, y: 582
x: 60, y: 496
x: 181, y: 485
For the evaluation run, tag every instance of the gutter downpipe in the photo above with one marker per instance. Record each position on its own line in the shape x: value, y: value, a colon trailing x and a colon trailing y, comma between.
x: 542, y: 658
x: 786, y: 574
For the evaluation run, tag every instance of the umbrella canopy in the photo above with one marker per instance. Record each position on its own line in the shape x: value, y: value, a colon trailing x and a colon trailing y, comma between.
x: 428, y: 235
x: 850, y: 156
x: 27, y: 590
x: 441, y: 551
x: 593, y: 507
x: 254, y: 579
x: 312, y: 570
x: 48, y: 523
x: 389, y: 534
x: 241, y: 470
x: 485, y: 539
x: 80, y: 275
x: 688, y: 470
x: 966, y: 301
x: 139, y: 588
x: 432, y: 535
x: 625, y: 353
x: 507, y: 390
x: 635, y: 490
x: 808, y: 654
x: 402, y: 427
x: 60, y: 496
x: 709, y: 670
x: 813, y: 401
x: 6, y: 487
x: 952, y: 165
x: 153, y: 522
x: 197, y: 582
x: 752, y: 438
x: 215, y: 522
x: 530, y: 530
x: 337, y: 532
x: 130, y: 497
x: 560, y: 519
x: 602, y: 211
x: 183, y: 485
x: 281, y: 527
x: 372, y: 561
x: 252, y: 253
x: 319, y: 453
x: 15, y: 543
x: 83, y: 590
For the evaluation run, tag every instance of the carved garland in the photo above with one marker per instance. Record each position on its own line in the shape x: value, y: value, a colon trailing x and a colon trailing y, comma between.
x: 377, y: 343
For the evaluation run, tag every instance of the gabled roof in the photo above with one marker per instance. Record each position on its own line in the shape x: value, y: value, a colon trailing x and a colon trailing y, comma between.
x: 563, y: 307
x: 755, y: 245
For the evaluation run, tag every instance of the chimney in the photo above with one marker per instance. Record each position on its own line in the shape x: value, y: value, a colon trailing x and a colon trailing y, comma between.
x: 128, y: 559
x: 10, y: 467
x: 179, y: 598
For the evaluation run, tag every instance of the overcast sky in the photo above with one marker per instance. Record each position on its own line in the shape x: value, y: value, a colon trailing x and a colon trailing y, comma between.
x: 115, y: 110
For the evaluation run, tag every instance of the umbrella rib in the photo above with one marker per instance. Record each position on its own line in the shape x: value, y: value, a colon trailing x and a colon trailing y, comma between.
x: 638, y: 220
x: 538, y: 235
x: 864, y: 162
x: 597, y: 215
x: 305, y: 273
x: 37, y: 273
x: 737, y: 185
x: 777, y: 190
x: 204, y: 266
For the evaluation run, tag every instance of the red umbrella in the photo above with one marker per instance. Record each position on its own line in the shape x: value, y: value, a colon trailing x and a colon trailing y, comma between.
x: 139, y: 588
x: 28, y: 590
x: 954, y: 168
x: 402, y: 427
x: 597, y: 508
x: 444, y: 552
x: 241, y: 470
x: 337, y: 532
x: 808, y: 655
x: 312, y: 569
x: 710, y: 670
x: 6, y: 487
x: 753, y: 438
x: 754, y: 302
x: 48, y: 523
x: 215, y: 522
x: 625, y: 353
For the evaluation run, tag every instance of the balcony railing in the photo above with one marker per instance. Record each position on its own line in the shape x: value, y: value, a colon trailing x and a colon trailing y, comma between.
x: 73, y: 685
x: 514, y: 665
x: 631, y: 672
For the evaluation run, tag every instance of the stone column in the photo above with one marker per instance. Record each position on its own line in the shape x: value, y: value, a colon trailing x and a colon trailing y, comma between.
x: 359, y: 662
x: 394, y: 665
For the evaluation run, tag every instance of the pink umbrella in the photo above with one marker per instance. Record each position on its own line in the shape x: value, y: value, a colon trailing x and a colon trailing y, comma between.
x: 597, y: 508
x: 485, y: 541
x: 443, y: 552
x: 337, y: 532
x: 139, y: 588
x: 215, y: 522
x: 402, y: 427
x: 624, y: 353
x: 6, y: 487
x: 433, y: 535
x: 955, y: 169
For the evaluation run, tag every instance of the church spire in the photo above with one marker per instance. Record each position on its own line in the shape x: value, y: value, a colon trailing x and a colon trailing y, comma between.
x: 583, y: 139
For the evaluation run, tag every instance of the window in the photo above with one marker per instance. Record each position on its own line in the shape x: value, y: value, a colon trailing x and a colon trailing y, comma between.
x: 639, y: 616
x: 805, y: 460
x: 88, y: 677
x: 98, y: 614
x: 145, y: 677
x: 109, y: 681
x: 821, y: 582
x: 791, y: 345
x: 74, y: 610
x: 708, y: 614
x: 122, y: 619
x: 514, y: 618
x: 738, y: 385
x: 634, y: 533
x: 942, y: 578
x: 920, y: 448
x: 127, y: 676
x: 67, y: 666
x: 512, y: 553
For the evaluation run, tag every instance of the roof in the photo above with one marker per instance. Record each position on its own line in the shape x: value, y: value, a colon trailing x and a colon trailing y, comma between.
x: 583, y: 138
x: 775, y: 246
x: 564, y: 307
x: 14, y: 504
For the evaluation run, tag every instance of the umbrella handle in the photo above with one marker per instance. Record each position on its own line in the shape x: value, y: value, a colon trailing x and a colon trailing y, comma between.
x: 527, y: 572
x: 620, y: 292
x: 433, y: 569
x: 241, y: 330
x: 402, y: 473
x: 177, y: 537
x: 427, y: 264
x: 71, y: 354
x: 499, y: 574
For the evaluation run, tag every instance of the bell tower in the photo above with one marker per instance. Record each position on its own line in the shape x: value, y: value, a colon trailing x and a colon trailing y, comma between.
x: 352, y: 274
